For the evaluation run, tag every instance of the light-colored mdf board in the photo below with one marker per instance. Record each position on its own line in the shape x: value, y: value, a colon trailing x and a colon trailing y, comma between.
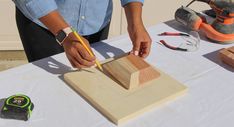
x: 131, y: 71
x: 115, y: 102
x: 227, y: 56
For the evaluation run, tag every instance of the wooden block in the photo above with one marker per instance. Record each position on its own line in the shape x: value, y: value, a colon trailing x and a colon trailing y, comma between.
x: 115, y: 102
x: 231, y: 49
x: 131, y: 71
x: 227, y: 56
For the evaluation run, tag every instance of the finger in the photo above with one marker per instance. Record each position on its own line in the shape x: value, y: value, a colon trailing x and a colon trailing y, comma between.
x: 73, y: 65
x: 85, y: 55
x: 145, y: 49
x: 69, y: 58
x: 82, y: 61
x: 77, y: 64
x: 89, y: 47
x: 131, y: 52
x: 136, y: 47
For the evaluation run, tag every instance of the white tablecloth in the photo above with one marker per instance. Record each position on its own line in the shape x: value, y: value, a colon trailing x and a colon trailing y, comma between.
x: 208, y: 103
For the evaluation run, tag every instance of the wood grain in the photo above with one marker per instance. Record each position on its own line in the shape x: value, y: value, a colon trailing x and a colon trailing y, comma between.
x: 231, y: 49
x: 227, y: 56
x: 131, y: 71
x: 115, y: 102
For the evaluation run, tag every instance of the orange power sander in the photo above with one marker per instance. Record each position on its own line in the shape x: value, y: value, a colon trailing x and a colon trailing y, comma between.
x: 222, y: 28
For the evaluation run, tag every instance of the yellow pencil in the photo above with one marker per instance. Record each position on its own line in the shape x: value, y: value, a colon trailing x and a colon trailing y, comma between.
x: 85, y: 46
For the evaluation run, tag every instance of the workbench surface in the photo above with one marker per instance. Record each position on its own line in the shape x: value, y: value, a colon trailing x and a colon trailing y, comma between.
x: 209, y: 101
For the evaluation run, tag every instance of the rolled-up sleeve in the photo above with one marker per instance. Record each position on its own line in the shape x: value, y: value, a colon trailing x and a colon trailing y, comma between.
x: 124, y: 2
x: 40, y: 8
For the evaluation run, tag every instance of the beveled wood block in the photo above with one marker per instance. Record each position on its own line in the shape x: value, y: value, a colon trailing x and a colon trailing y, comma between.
x: 131, y: 71
x: 227, y: 56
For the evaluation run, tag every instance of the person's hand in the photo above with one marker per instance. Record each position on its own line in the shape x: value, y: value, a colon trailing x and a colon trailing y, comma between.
x: 76, y: 53
x: 140, y: 39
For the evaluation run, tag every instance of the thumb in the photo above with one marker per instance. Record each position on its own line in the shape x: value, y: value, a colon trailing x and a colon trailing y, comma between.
x: 136, y: 48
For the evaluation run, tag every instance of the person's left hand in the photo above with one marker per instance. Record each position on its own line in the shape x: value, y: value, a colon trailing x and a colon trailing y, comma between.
x: 140, y: 39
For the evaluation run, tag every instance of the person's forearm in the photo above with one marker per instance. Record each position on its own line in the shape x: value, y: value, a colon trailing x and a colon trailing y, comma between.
x: 133, y: 13
x: 54, y: 22
x: 139, y: 36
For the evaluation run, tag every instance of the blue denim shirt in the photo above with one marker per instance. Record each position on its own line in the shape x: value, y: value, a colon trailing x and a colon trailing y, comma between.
x: 86, y: 16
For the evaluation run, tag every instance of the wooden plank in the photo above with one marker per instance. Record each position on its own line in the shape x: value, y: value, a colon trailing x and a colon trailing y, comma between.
x: 131, y: 71
x: 115, y: 102
x: 227, y: 56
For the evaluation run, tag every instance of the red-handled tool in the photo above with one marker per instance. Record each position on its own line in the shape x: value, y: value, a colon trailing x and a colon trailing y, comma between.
x: 192, y: 41
x: 173, y: 34
x: 172, y: 47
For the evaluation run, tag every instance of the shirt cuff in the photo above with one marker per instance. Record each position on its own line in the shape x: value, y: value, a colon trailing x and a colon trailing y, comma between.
x: 40, y: 8
x: 124, y: 2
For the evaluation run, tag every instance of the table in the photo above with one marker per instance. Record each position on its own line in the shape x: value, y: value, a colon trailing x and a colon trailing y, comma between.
x: 208, y: 103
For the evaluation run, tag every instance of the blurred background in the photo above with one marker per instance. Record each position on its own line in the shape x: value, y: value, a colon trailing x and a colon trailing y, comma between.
x: 11, y: 50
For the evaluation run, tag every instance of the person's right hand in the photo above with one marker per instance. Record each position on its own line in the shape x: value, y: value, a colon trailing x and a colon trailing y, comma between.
x: 76, y: 53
